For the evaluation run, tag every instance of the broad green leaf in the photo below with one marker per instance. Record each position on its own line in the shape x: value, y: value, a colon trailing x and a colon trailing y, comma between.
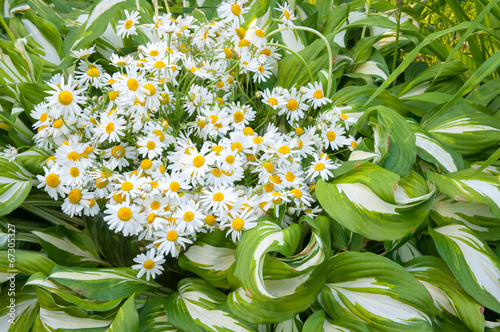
x: 472, y: 261
x: 40, y: 280
x: 15, y: 185
x: 290, y: 325
x: 447, y: 294
x: 101, y: 284
x: 464, y: 129
x: 24, y: 309
x: 210, y: 257
x: 33, y: 160
x: 475, y: 215
x: 276, y: 289
x: 392, y: 138
x: 152, y: 317
x: 127, y: 318
x: 69, y: 248
x: 482, y: 188
x: 377, y: 291
x: 198, y: 307
x: 363, y: 201
x: 26, y: 262
x: 61, y: 320
x: 318, y: 322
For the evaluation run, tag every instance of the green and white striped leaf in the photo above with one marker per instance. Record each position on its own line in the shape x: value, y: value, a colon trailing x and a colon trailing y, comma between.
x: 377, y: 291
x: 364, y: 201
x: 40, y: 280
x: 199, y: 307
x: 101, y: 284
x: 272, y: 289
x: 69, y: 248
x: 33, y: 160
x: 290, y: 325
x: 61, y: 320
x: 15, y: 185
x: 210, y: 257
x: 448, y: 296
x: 472, y: 261
x: 475, y: 215
x: 24, y: 310
x: 460, y: 187
x: 318, y: 322
x: 393, y: 138
x: 127, y: 318
x: 26, y: 262
x: 152, y: 317
x: 465, y: 129
x: 433, y: 151
x: 406, y: 252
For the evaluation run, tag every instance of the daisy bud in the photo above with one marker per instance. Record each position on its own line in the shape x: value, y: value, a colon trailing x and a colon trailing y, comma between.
x: 258, y: 94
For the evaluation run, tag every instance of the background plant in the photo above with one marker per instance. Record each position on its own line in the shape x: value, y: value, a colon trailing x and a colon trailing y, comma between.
x: 410, y: 205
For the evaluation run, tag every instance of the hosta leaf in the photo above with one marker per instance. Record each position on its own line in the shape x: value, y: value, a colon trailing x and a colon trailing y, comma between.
x: 152, y: 317
x: 447, y: 294
x: 198, y: 307
x: 33, y: 160
x: 26, y: 262
x: 61, y: 320
x: 127, y: 318
x: 24, y: 310
x: 392, y: 137
x: 458, y: 186
x: 465, y: 129
x: 432, y: 150
x: 210, y: 257
x: 363, y: 201
x: 101, y: 284
x: 290, y: 325
x: 15, y: 185
x: 377, y: 291
x: 475, y: 215
x: 69, y: 248
x: 473, y: 263
x: 276, y: 289
x: 40, y: 280
x: 317, y: 322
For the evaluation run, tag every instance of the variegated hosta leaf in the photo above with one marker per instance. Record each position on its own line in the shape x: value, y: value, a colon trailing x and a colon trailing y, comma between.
x: 33, y: 160
x: 210, y: 257
x: 465, y: 129
x: 24, y: 310
x: 475, y: 215
x: 101, y: 284
x: 318, y: 322
x: 460, y: 187
x: 291, y: 325
x: 377, y: 291
x: 69, y: 248
x: 433, y: 151
x: 393, y: 138
x: 152, y: 317
x: 67, y: 320
x: 127, y: 318
x: 40, y: 280
x: 26, y: 262
x: 199, y: 307
x: 406, y: 252
x: 15, y: 185
x: 364, y: 201
x: 473, y: 263
x: 276, y: 289
x: 447, y: 294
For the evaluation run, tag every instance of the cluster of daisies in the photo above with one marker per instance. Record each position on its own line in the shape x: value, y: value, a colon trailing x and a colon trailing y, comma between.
x: 170, y: 145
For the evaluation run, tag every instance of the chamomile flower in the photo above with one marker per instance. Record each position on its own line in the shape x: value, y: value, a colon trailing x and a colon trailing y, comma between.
x: 51, y: 183
x: 287, y: 15
x: 123, y: 218
x: 352, y: 143
x: 239, y: 222
x: 129, y: 187
x: 150, y: 146
x: 149, y: 264
x: 170, y: 240
x: 127, y: 27
x: 75, y: 202
x: 273, y: 99
x: 219, y: 199
x: 120, y: 61
x: 83, y: 53
x: 316, y: 96
x: 189, y: 217
x: 334, y: 136
x: 321, y: 166
x: 65, y: 100
x: 111, y: 128
x: 262, y: 73
x: 233, y: 10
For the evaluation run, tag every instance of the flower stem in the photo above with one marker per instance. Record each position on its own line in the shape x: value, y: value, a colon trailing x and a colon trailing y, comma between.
x: 6, y: 27
x: 311, y: 77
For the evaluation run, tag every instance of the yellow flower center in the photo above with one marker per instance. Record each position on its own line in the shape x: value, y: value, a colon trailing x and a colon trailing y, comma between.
x: 153, y: 53
x: 210, y: 220
x: 172, y: 236
x: 287, y: 14
x: 118, y: 151
x: 151, y: 145
x: 52, y: 180
x: 155, y: 205
x: 93, y: 72
x: 260, y: 33
x: 151, y: 218
x: 149, y: 264
x: 218, y: 197
x: 272, y: 101
x: 296, y: 193
x: 75, y: 196
x: 330, y: 135
x: 248, y: 131
x: 151, y: 88
x: 160, y: 135
x: 230, y: 159
x: 43, y: 117
x: 127, y: 186
x: 236, y: 9
x: 124, y: 213
x: 110, y: 127
x: 113, y: 94
x: 188, y: 216
x: 146, y: 164
x: 284, y: 149
x: 198, y: 161
x: 175, y: 186
x: 268, y: 167
x: 238, y: 146
x: 101, y: 183
x: 319, y: 167
x: 73, y: 156
x: 318, y: 94
x: 290, y: 176
x: 65, y: 97
x: 159, y: 64
x: 129, y: 24
x: 132, y: 84
x: 74, y: 171
x: 354, y: 144
x: 238, y: 116
x: 292, y: 105
x: 238, y: 224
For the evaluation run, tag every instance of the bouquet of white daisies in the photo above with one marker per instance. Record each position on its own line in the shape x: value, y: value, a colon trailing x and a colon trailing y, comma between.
x: 187, y: 134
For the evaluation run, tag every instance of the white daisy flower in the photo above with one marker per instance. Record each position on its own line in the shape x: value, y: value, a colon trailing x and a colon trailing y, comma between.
x: 239, y: 222
x: 219, y: 199
x: 124, y: 218
x: 51, y: 183
x: 75, y: 202
x: 189, y: 217
x: 83, y: 53
x: 315, y: 95
x: 170, y: 240
x: 287, y: 15
x: 127, y: 27
x: 149, y: 264
x: 233, y: 10
x: 65, y: 100
x: 321, y: 166
x: 333, y: 136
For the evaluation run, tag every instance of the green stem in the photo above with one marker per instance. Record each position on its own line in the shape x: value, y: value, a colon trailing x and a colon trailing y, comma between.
x: 368, y: 7
x: 298, y: 56
x: 6, y: 27
x: 329, y: 49
x: 25, y: 133
x: 396, y: 43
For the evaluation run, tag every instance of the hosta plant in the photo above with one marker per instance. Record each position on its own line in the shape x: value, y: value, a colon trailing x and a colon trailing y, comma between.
x: 259, y: 166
